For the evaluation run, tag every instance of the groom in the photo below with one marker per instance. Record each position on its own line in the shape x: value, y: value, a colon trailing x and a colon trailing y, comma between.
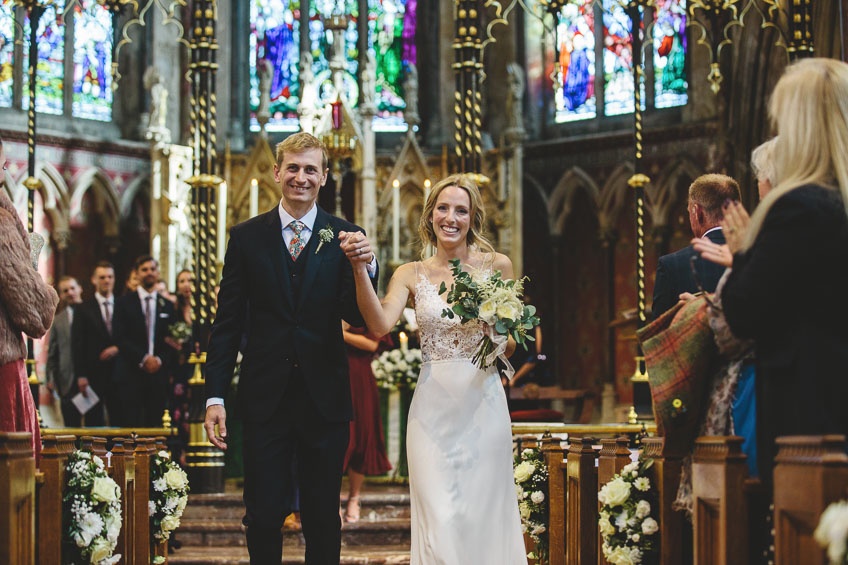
x: 287, y: 285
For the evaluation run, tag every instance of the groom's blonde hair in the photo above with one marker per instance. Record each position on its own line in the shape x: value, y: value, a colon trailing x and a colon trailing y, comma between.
x: 298, y: 143
x: 477, y: 212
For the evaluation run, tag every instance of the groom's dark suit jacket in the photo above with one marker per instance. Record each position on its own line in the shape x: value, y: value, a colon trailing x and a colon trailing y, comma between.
x: 294, y: 311
x: 674, y: 275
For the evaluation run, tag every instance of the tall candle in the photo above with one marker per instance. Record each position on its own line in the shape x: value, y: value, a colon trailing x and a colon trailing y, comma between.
x: 222, y: 221
x: 254, y: 197
x: 426, y: 190
x: 404, y: 342
x: 396, y: 221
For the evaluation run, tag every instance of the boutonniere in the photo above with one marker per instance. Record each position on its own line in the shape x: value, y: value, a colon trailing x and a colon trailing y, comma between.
x: 324, y: 236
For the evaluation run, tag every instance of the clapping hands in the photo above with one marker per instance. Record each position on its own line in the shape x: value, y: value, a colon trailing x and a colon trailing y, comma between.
x: 735, y: 225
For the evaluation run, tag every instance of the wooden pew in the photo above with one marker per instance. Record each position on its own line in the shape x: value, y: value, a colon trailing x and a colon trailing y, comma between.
x: 144, y: 448
x: 17, y: 498
x: 123, y: 472
x: 810, y: 472
x: 665, y: 477
x: 612, y: 458
x: 160, y: 548
x: 721, y: 510
x: 54, y: 457
x: 582, y: 503
x: 553, y: 451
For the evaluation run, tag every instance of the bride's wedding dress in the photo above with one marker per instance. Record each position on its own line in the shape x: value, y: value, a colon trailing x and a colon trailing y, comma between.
x: 459, y: 447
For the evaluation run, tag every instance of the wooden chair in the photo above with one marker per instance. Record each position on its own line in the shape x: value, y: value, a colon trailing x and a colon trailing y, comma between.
x: 582, y: 503
x: 721, y: 510
x: 17, y: 498
x: 810, y: 473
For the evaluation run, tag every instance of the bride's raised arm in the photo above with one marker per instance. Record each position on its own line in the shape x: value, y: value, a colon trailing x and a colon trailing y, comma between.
x: 380, y: 317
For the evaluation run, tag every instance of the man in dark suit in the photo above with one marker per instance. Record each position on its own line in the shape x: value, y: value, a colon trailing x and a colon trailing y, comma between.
x: 707, y: 196
x: 60, y: 359
x: 139, y: 327
x: 288, y: 285
x: 94, y: 348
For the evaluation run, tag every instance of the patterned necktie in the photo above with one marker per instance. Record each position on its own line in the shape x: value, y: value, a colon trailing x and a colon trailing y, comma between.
x: 107, y: 319
x: 148, y: 315
x: 296, y: 243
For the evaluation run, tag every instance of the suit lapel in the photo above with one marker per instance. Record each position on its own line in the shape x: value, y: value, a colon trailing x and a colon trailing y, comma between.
x: 322, y: 219
x: 96, y: 311
x: 276, y: 248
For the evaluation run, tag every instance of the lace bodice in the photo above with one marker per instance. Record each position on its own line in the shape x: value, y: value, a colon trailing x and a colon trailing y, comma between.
x: 442, y: 338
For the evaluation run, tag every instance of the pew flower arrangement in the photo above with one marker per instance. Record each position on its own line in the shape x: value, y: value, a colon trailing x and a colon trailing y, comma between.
x: 485, y: 296
x: 168, y: 495
x: 627, y: 529
x: 832, y: 532
x: 531, y: 483
x: 91, y: 512
x: 397, y: 368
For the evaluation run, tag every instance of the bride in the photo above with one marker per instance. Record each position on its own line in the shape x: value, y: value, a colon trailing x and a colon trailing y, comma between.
x: 459, y: 440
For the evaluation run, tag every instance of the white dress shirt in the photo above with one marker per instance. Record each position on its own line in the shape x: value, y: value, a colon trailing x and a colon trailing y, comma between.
x: 151, y: 331
x: 101, y: 300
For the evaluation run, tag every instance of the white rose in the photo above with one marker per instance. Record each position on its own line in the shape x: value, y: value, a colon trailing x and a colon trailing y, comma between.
x: 537, y: 497
x: 635, y: 537
x: 643, y: 509
x: 524, y: 471
x: 832, y: 530
x: 616, y: 492
x: 488, y: 310
x: 524, y: 510
x: 649, y: 526
x: 98, y: 462
x: 642, y: 483
x: 607, y: 529
x: 526, y: 453
x: 175, y: 478
x: 170, y: 523
x: 509, y: 310
x: 164, y: 455
x: 80, y: 540
x: 621, y: 521
x: 100, y: 550
x: 104, y: 489
x: 113, y: 528
x: 621, y: 556
x: 629, y: 468
x: 538, y: 530
x: 519, y: 492
x: 182, y: 504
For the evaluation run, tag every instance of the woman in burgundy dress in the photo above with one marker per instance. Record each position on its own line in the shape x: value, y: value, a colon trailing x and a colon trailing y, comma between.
x: 366, y: 453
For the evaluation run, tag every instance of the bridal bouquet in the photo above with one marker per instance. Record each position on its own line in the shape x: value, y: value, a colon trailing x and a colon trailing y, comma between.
x: 397, y: 368
x: 168, y: 495
x: 91, y: 512
x: 627, y: 528
x: 484, y: 296
x: 180, y: 332
x: 832, y: 532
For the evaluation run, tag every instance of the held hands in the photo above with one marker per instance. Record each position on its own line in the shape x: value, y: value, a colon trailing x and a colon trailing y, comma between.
x: 82, y: 384
x: 216, y: 414
x: 151, y: 364
x: 357, y: 247
x: 735, y: 225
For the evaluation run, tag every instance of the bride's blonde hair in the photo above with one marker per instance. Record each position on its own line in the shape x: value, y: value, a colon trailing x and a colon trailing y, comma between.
x: 477, y: 212
x: 809, y: 110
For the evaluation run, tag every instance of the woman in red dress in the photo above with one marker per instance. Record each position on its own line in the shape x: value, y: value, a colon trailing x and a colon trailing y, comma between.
x: 27, y: 305
x: 366, y: 453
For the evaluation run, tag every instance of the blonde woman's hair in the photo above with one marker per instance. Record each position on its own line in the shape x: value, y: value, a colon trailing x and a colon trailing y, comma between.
x: 477, y: 212
x: 762, y: 161
x: 298, y: 143
x: 809, y: 110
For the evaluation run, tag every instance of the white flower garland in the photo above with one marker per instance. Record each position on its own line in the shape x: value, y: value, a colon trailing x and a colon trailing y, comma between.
x: 832, y: 532
x: 396, y: 368
x: 91, y: 512
x: 168, y: 495
x: 627, y: 528
x: 531, y: 484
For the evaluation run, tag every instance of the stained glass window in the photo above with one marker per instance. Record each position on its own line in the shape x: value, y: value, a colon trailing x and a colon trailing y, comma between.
x: 575, y: 70
x: 92, y: 62
x: 618, y: 60
x: 274, y: 37
x: 7, y: 51
x: 670, y: 53
x: 321, y: 39
x: 51, y: 61
x: 391, y: 40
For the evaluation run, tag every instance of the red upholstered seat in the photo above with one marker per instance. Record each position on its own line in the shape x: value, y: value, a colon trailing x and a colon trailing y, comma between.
x: 541, y: 415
